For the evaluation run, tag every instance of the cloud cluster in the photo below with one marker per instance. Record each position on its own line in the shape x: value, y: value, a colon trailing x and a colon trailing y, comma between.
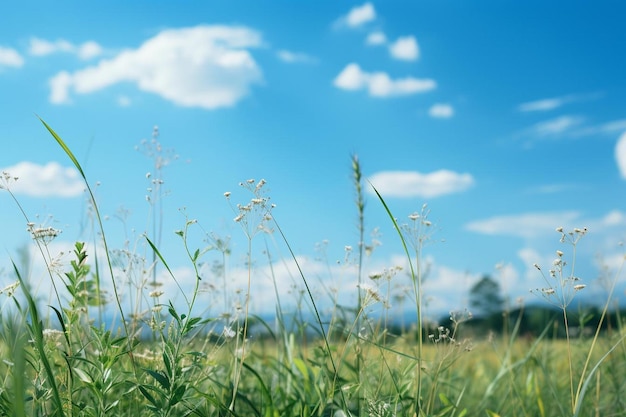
x: 407, y: 184
x: 50, y: 180
x: 203, y: 66
x: 10, y: 58
x: 380, y: 84
x: 405, y: 48
x: 85, y: 51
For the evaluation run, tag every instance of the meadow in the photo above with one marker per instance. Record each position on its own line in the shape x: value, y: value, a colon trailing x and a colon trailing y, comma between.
x: 160, y: 359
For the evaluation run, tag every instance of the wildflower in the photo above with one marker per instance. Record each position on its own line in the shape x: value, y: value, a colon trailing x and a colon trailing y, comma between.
x: 10, y: 289
x: 376, y: 275
x: 559, y: 229
x: 155, y: 294
x: 559, y: 253
x: 51, y: 333
x: 537, y: 266
x: 548, y: 291
x: 414, y: 216
x: 579, y: 287
x: 227, y: 194
x: 371, y: 292
x: 228, y: 332
x: 44, y: 234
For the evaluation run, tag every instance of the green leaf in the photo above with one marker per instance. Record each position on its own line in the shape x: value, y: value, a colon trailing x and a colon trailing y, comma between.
x: 83, y: 376
x: 178, y: 395
x: 65, y: 148
x: 150, y: 398
x: 190, y: 324
x: 161, y: 378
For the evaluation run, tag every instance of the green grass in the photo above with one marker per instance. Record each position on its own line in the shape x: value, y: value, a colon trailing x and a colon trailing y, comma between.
x: 62, y: 359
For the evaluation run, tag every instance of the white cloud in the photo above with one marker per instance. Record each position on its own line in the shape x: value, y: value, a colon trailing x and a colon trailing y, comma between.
x: 614, y: 218
x: 415, y: 184
x: 294, y: 57
x: 10, y: 58
x: 50, y: 180
x: 527, y: 225
x: 548, y: 104
x: 85, y: 51
x: 606, y: 128
x: 556, y: 126
x: 358, y: 16
x: 441, y: 111
x: 620, y: 155
x: 42, y: 47
x: 570, y: 127
x: 405, y: 49
x: 59, y: 87
x: 541, y: 105
x: 379, y: 84
x: 202, y: 66
x: 89, y: 50
x: 376, y: 38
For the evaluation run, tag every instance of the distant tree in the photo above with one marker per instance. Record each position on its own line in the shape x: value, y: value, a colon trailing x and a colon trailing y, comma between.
x: 485, y: 299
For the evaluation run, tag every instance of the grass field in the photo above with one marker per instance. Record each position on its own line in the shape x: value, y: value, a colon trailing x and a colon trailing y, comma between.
x: 60, y: 360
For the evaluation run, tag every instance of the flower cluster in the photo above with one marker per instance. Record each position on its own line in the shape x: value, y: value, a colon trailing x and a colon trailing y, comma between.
x: 44, y: 235
x: 419, y: 230
x: 385, y: 273
x: 560, y: 285
x: 6, y: 179
x: 254, y: 215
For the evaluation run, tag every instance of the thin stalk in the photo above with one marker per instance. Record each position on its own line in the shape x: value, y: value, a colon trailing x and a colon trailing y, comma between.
x: 583, y: 380
x: 416, y: 278
x: 360, y: 204
x: 239, y: 370
x: 569, y: 360
x: 318, y: 317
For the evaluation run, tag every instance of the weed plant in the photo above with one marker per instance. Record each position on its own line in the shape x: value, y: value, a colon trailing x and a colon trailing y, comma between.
x: 158, y: 359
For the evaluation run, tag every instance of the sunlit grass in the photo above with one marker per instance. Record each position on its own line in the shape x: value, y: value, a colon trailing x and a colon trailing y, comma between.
x: 160, y: 359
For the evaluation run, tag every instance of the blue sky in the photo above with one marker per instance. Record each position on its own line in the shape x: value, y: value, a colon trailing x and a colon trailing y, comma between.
x: 506, y: 118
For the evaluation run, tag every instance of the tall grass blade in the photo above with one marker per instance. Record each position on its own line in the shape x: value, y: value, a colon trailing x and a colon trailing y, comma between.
x: 70, y: 155
x: 36, y: 327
